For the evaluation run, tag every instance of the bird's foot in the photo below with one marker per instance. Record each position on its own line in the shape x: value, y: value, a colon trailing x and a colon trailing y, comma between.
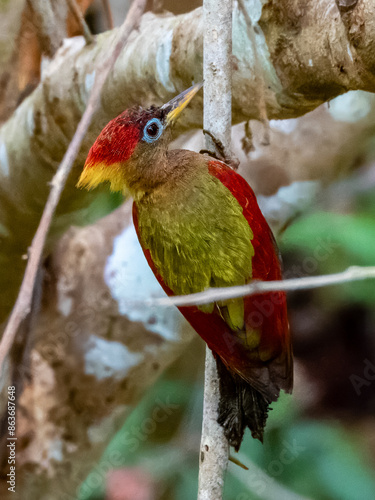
x: 220, y: 152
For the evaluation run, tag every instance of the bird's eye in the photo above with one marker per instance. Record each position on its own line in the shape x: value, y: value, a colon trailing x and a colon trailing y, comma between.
x: 152, y: 130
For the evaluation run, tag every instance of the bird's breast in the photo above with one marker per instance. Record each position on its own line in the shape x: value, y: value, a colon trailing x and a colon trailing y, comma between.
x: 197, y: 237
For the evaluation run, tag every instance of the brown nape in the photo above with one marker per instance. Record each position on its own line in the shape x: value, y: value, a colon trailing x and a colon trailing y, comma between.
x: 163, y: 168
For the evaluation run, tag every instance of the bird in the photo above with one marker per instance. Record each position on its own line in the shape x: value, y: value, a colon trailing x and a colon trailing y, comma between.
x: 200, y: 226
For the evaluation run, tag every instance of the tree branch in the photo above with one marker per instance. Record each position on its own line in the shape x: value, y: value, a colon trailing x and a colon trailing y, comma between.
x: 258, y: 74
x: 271, y: 489
x: 74, y: 7
x: 353, y: 273
x: 108, y: 13
x: 217, y: 120
x: 213, y: 460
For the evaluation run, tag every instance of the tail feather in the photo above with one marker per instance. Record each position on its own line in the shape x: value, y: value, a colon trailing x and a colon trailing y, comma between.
x: 240, y: 406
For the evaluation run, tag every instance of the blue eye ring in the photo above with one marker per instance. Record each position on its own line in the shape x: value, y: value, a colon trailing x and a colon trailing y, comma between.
x: 152, y: 130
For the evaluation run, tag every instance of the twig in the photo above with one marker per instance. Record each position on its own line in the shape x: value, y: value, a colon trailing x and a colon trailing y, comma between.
x: 20, y: 373
x: 213, y: 461
x: 23, y: 303
x: 217, y: 52
x: 76, y: 11
x: 271, y: 489
x: 258, y: 74
x: 108, y: 14
x: 353, y: 273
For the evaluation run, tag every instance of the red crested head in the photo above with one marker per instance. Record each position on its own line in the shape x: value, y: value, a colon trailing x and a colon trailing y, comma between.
x: 113, y: 147
x: 130, y: 151
x: 116, y: 141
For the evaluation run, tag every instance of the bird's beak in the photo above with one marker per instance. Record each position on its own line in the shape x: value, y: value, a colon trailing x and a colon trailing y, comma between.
x: 174, y: 107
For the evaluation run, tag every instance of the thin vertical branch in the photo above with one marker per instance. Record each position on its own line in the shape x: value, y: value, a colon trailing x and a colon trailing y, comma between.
x: 108, y: 14
x: 217, y: 51
x: 217, y: 74
x: 213, y: 460
x: 77, y: 13
x: 258, y: 74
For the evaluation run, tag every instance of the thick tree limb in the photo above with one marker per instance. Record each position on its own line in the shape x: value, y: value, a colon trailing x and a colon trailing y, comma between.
x: 28, y: 29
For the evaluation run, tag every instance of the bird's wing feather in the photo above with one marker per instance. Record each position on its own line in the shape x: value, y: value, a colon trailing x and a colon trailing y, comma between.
x: 259, y: 352
x: 267, y: 311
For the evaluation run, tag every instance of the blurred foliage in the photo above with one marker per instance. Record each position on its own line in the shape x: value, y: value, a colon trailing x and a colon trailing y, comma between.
x: 319, y: 460
x: 100, y: 205
x: 330, y: 242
